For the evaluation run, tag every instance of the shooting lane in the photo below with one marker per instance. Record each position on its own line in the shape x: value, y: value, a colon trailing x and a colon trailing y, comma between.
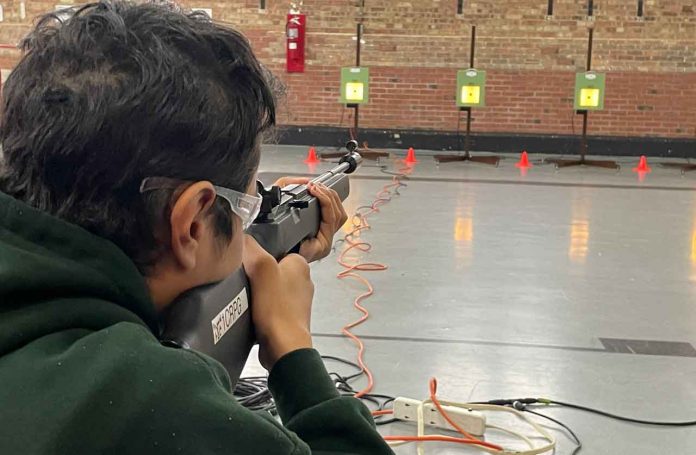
x: 354, y: 92
x: 517, y: 280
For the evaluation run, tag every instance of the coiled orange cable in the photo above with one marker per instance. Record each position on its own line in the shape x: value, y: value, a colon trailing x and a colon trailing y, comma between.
x: 360, y: 224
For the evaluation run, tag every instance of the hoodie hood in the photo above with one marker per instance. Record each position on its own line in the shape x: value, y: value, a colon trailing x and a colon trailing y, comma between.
x: 65, y: 274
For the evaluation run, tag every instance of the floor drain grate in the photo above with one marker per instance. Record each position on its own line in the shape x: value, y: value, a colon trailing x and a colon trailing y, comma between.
x: 649, y: 347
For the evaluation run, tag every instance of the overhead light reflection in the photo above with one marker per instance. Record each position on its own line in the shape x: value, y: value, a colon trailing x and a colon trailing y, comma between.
x: 692, y: 278
x: 579, y: 228
x: 351, y: 205
x: 464, y: 229
x: 463, y: 232
x: 579, y: 239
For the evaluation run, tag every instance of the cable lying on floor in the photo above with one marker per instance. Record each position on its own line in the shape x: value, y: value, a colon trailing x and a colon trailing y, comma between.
x: 688, y: 423
x: 576, y: 439
x: 475, y: 421
x: 352, y: 269
x: 549, y: 402
x: 252, y: 392
x: 378, y: 400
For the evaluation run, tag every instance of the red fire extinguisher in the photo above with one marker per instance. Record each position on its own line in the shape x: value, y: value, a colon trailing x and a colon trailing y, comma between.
x: 295, y: 37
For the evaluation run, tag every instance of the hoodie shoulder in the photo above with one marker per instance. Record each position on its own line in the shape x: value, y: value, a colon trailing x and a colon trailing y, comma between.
x: 182, y: 403
x: 117, y: 390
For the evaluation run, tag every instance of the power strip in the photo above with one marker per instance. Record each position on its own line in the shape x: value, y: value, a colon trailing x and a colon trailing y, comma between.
x: 474, y: 422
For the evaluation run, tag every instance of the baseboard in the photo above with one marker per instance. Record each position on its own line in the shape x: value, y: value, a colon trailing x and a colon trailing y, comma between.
x: 491, y: 142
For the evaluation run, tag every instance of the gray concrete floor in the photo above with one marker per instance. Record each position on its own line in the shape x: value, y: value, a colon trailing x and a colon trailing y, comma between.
x: 501, y: 285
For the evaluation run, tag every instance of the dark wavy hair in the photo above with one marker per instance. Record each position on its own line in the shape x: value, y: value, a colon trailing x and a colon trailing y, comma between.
x: 112, y: 92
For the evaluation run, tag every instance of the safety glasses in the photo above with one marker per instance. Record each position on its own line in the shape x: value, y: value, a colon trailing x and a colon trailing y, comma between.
x: 245, y: 206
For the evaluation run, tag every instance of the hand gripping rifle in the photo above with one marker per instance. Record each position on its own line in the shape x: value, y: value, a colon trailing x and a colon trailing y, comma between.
x: 215, y: 319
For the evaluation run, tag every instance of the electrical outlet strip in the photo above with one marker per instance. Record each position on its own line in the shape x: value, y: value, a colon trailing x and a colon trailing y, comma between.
x: 473, y: 422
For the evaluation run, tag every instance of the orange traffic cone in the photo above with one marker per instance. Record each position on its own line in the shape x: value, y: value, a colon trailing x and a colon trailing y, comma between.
x: 312, y: 157
x: 642, y: 165
x: 411, y: 156
x: 524, y: 161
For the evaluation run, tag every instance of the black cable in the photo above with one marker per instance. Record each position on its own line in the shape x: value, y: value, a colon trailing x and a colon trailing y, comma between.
x: 340, y: 378
x: 578, y: 443
x: 345, y: 362
x: 546, y: 402
x: 385, y: 422
x: 253, y: 394
x: 388, y: 399
x: 523, y: 407
x: 368, y: 398
x: 383, y: 170
x: 384, y: 404
x: 379, y: 419
x: 617, y: 417
x: 343, y: 386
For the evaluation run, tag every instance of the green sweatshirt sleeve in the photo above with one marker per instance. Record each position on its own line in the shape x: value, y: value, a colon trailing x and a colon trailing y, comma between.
x: 311, y: 407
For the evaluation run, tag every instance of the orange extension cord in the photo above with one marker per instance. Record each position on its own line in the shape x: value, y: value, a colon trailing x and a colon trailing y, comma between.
x: 360, y: 224
x: 467, y: 439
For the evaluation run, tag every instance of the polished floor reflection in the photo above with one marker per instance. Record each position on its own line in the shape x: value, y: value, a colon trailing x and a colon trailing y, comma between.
x: 503, y: 285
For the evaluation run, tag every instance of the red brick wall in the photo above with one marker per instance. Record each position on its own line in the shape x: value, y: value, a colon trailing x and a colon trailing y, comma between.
x: 416, y: 47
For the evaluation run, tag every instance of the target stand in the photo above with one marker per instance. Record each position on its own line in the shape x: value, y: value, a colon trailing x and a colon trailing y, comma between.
x: 471, y: 93
x: 355, y: 91
x: 589, y: 96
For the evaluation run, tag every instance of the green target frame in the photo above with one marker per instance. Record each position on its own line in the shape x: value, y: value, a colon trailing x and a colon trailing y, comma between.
x: 471, y: 88
x: 355, y: 85
x: 589, y: 91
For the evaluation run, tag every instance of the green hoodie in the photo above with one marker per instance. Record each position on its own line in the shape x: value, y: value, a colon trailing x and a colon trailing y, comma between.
x: 81, y: 371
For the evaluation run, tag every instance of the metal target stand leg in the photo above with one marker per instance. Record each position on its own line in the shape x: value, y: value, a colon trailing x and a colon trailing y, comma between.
x: 688, y: 167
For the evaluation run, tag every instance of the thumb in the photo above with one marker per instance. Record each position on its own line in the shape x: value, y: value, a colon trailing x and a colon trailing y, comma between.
x: 295, y: 265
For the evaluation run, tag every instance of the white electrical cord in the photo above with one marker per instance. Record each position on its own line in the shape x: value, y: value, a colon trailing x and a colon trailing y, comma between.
x: 549, y: 446
x: 513, y: 433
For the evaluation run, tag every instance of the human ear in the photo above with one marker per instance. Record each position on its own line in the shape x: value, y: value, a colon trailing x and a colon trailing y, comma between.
x: 187, y: 222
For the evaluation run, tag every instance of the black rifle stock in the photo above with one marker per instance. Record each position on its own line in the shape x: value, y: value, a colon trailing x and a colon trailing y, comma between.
x: 216, y: 319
